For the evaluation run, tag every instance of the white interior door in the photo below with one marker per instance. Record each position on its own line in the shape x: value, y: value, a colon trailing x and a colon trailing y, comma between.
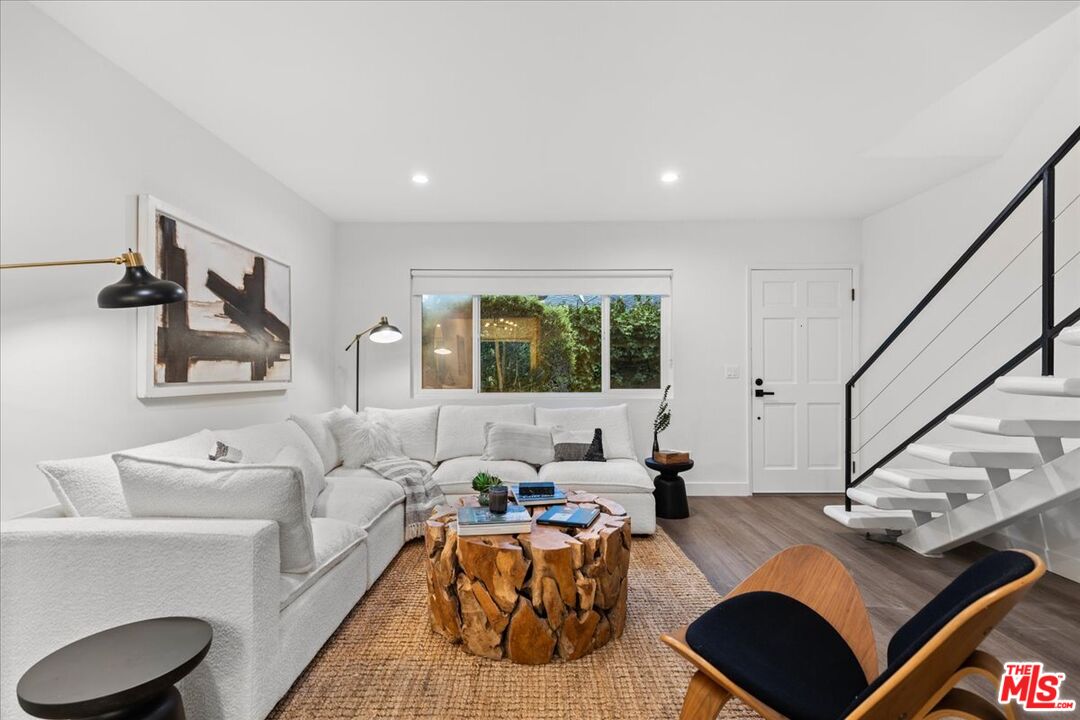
x: 800, y: 338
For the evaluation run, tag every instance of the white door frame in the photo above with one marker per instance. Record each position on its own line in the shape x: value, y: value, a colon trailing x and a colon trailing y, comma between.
x: 856, y: 357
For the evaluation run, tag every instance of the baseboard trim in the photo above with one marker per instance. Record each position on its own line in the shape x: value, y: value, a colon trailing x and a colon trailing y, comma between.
x: 717, y: 489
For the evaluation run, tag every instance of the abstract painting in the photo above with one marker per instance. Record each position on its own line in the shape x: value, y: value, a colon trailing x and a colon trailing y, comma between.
x: 233, y: 332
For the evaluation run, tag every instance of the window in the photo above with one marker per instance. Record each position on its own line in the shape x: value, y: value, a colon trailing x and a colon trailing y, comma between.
x: 533, y: 343
x: 636, y: 347
x: 534, y: 333
x: 446, y: 342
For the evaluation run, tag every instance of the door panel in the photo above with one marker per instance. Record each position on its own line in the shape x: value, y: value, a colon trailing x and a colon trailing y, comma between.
x: 801, y: 351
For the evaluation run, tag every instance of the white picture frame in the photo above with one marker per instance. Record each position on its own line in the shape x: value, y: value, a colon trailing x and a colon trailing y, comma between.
x: 214, y: 318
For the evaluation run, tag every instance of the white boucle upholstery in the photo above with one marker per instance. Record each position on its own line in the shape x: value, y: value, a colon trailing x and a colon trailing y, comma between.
x: 385, y: 537
x: 90, y: 486
x: 314, y: 479
x: 355, y: 497
x: 157, y: 487
x: 461, y: 427
x: 613, y: 420
x: 262, y: 443
x: 456, y: 476
x: 317, y: 428
x: 599, y: 477
x: 333, y: 540
x: 63, y: 579
x: 416, y: 427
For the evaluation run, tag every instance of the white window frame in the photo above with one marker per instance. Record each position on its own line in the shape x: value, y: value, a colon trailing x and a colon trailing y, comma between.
x: 667, y: 364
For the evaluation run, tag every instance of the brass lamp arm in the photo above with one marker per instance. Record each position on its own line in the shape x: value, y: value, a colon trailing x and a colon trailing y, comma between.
x: 129, y: 259
x: 361, y: 334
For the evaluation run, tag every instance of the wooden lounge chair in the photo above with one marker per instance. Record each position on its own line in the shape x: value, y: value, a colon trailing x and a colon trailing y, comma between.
x: 794, y: 640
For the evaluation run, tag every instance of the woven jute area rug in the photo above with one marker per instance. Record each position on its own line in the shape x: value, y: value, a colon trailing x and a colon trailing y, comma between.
x: 386, y: 662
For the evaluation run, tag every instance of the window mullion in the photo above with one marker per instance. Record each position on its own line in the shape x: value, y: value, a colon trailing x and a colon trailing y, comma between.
x: 476, y: 344
x: 605, y: 346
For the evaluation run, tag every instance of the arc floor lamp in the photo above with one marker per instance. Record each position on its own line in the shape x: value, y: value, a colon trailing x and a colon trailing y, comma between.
x: 381, y: 332
x: 138, y: 288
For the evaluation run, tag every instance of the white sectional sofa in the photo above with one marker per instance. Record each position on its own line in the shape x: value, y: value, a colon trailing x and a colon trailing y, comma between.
x: 64, y: 575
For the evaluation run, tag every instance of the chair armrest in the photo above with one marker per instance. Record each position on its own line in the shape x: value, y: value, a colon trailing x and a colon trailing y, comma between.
x: 62, y: 579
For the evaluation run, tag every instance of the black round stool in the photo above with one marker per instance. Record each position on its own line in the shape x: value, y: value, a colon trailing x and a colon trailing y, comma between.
x: 124, y: 673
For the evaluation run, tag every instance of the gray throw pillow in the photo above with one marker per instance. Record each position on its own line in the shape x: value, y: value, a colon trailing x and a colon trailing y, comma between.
x: 578, y: 445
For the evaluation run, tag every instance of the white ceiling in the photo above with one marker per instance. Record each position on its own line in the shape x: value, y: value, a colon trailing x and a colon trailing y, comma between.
x: 569, y: 111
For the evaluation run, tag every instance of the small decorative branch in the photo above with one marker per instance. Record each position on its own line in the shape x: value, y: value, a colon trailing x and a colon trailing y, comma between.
x: 663, y: 419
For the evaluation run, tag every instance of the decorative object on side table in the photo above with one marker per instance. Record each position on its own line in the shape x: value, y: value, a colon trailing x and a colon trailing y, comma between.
x: 662, y: 421
x: 482, y: 483
x: 128, y: 671
x: 532, y: 596
x: 670, y: 489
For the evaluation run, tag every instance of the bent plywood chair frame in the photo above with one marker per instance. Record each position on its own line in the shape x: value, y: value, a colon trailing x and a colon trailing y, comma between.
x: 923, y: 688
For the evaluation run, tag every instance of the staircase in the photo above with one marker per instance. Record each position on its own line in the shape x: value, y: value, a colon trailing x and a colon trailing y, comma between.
x: 961, y: 492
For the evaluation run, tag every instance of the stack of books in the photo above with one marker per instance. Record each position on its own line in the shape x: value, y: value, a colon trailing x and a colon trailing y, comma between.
x: 538, y: 493
x: 481, y: 521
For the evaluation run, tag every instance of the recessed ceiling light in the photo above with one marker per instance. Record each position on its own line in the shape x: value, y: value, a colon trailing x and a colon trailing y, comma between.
x: 669, y: 177
x: 420, y: 179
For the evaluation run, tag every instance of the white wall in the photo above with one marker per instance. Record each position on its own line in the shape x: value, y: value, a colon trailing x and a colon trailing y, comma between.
x: 709, y: 308
x: 80, y: 139
x: 908, y: 246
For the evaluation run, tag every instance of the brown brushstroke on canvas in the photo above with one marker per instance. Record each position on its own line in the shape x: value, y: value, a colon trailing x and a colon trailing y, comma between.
x: 265, y: 339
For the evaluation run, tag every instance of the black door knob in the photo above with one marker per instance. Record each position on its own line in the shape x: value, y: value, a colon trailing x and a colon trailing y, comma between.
x: 759, y: 382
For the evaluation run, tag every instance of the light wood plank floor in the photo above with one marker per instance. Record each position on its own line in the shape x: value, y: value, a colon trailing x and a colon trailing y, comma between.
x: 728, y: 537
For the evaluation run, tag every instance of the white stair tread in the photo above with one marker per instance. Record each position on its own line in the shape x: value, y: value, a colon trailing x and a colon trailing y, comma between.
x: 946, y: 479
x: 884, y: 496
x: 1070, y: 336
x: 984, y: 457
x: 1017, y: 427
x: 867, y: 518
x: 1050, y: 385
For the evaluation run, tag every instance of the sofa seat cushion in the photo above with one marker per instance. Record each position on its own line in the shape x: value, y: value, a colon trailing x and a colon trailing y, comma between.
x: 334, y: 539
x: 357, y: 496
x: 455, y: 476
x: 625, y: 476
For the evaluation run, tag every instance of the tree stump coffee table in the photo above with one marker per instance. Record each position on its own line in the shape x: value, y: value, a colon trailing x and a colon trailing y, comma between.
x: 531, y: 596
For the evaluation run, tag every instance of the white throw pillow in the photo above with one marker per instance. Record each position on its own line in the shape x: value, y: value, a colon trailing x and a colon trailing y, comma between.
x: 362, y: 439
x: 317, y: 428
x: 518, y: 441
x: 613, y: 420
x: 159, y: 487
x: 461, y: 427
x: 415, y: 426
x: 90, y: 486
x: 314, y: 479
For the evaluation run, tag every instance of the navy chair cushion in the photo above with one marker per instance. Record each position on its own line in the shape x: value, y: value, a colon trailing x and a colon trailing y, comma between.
x: 982, y: 578
x: 782, y: 652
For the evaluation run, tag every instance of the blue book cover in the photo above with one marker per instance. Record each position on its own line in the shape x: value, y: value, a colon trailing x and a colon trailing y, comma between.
x: 569, y: 517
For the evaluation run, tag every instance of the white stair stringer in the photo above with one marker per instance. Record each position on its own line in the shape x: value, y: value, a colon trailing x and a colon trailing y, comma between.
x: 1052, y: 484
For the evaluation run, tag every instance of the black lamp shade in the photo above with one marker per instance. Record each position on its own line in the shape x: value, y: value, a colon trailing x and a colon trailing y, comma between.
x: 138, y: 288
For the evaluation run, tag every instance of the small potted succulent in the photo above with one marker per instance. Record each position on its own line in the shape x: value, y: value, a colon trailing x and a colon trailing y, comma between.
x: 482, y: 483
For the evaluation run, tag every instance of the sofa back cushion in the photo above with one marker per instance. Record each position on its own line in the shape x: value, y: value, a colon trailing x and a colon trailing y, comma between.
x: 461, y: 427
x: 90, y: 486
x: 317, y: 428
x: 261, y: 443
x: 613, y: 420
x: 163, y: 487
x: 415, y: 426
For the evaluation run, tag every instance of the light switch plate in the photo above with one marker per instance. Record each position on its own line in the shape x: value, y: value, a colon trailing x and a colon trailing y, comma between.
x: 731, y: 372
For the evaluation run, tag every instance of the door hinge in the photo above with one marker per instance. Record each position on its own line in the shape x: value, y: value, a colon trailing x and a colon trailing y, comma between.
x: 852, y: 294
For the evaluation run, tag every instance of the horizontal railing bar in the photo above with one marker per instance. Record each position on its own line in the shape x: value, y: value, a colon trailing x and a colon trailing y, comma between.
x: 1020, y: 357
x: 981, y: 240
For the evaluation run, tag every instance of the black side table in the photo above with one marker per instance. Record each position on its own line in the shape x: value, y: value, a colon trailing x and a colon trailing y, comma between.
x: 670, y: 492
x: 123, y: 673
